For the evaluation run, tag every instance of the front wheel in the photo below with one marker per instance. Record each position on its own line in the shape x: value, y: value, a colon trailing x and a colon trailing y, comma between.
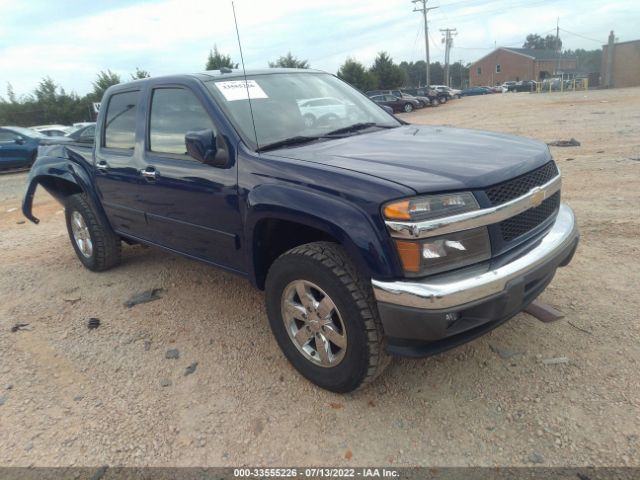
x: 324, y: 318
x: 93, y: 240
x: 408, y: 108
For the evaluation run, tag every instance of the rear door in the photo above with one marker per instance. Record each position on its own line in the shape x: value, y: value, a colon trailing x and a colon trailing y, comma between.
x: 191, y: 207
x: 117, y: 167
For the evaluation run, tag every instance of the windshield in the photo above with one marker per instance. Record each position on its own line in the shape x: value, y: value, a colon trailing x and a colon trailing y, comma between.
x: 300, y: 105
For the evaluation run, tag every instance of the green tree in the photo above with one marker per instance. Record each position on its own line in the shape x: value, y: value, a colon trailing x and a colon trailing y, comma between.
x: 104, y: 80
x: 139, y: 73
x: 216, y: 60
x: 355, y: 74
x: 415, y: 72
x: 536, y: 42
x: 289, y: 61
x: 11, y: 94
x: 459, y: 73
x: 389, y: 74
x: 588, y: 60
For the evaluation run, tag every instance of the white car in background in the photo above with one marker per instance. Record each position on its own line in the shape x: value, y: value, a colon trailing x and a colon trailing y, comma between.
x: 324, y: 109
x: 453, y: 93
x: 53, y: 130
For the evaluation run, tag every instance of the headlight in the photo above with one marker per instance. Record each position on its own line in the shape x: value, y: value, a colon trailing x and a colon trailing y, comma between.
x: 430, y: 207
x: 447, y: 252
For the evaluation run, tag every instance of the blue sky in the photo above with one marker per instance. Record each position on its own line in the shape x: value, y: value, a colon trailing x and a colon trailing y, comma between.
x: 71, y: 41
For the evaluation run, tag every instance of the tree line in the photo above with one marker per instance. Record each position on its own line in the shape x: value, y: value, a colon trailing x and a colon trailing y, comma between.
x: 50, y: 103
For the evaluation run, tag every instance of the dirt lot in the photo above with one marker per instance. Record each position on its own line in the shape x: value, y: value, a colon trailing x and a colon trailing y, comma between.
x: 74, y: 396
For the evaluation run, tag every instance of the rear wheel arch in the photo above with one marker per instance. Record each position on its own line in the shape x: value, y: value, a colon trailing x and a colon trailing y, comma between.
x: 60, y: 188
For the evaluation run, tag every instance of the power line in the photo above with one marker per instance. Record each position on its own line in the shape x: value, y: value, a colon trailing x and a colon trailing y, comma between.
x: 582, y: 36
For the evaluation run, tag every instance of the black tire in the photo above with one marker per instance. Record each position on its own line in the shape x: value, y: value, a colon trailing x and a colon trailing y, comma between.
x: 408, y: 108
x: 435, y: 102
x: 326, y: 265
x: 443, y: 99
x: 105, y: 244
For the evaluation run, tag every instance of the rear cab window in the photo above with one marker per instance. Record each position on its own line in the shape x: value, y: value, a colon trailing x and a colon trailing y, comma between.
x: 120, y: 124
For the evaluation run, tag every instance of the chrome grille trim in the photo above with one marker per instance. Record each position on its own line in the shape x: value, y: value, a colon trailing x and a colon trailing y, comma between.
x: 477, y: 218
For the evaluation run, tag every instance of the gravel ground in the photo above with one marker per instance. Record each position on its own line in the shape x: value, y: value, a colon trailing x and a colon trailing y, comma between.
x: 70, y: 395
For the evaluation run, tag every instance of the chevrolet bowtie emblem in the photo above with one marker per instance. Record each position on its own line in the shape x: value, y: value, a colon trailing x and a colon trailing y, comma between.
x: 537, y: 196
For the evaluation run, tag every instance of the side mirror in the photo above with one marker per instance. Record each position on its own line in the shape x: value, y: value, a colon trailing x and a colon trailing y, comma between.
x: 206, y: 148
x: 20, y: 141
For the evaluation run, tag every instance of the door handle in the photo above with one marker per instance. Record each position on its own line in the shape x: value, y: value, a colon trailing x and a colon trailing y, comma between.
x: 102, y: 165
x: 149, y: 173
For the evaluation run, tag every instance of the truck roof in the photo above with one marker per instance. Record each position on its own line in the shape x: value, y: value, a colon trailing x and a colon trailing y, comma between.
x: 217, y: 74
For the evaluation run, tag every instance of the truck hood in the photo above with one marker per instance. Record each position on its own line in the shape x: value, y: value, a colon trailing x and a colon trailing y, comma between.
x: 427, y: 158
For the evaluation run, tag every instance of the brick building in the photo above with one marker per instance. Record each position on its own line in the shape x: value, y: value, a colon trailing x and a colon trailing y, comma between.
x: 505, y: 64
x: 621, y: 63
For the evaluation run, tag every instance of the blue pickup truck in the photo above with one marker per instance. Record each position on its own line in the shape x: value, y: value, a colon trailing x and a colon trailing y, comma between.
x: 371, y: 237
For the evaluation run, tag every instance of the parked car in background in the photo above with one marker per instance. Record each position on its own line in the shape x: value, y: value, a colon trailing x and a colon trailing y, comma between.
x: 53, y: 130
x: 508, y: 84
x: 423, y: 102
x: 523, y: 86
x: 451, y: 92
x: 472, y: 91
x: 398, y: 104
x: 82, y: 135
x: 18, y: 146
x: 323, y: 110
x: 82, y: 124
x: 434, y: 96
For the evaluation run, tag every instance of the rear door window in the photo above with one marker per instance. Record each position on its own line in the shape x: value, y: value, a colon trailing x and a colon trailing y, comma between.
x: 120, y: 126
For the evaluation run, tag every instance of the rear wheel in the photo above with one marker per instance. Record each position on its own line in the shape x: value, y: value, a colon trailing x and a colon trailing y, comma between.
x: 443, y: 99
x: 435, y: 102
x: 408, y: 108
x: 95, y: 243
x: 324, y: 318
x: 309, y: 120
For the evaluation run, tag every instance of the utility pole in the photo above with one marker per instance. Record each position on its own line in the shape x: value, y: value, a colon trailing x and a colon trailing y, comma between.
x: 424, y: 11
x: 558, y: 49
x: 448, y: 33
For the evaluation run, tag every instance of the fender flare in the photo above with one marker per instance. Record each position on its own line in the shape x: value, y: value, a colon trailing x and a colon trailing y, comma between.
x: 73, y: 168
x: 367, y: 245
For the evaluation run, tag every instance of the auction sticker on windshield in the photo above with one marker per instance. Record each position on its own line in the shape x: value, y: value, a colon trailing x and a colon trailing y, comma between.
x: 237, y: 90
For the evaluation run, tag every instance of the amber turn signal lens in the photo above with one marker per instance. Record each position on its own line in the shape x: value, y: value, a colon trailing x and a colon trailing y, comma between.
x: 397, y: 211
x: 409, y: 255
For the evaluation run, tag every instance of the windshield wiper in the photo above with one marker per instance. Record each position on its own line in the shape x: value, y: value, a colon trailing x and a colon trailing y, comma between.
x: 286, y: 142
x: 357, y: 126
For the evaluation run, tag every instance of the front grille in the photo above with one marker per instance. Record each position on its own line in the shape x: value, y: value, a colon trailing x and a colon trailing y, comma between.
x: 521, y: 185
x: 528, y: 220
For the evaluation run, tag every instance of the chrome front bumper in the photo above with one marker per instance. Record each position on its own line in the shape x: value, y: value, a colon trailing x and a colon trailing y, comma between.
x: 455, y: 289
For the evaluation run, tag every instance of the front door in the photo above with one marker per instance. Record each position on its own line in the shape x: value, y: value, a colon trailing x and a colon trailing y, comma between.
x: 191, y: 207
x: 12, y: 153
